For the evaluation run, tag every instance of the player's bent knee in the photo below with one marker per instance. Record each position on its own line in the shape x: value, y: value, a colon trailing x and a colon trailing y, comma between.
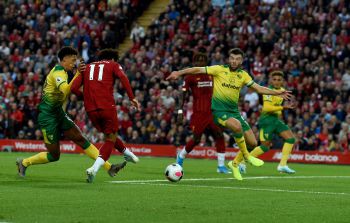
x: 290, y: 140
x: 235, y: 127
x: 53, y: 157
x: 253, y: 144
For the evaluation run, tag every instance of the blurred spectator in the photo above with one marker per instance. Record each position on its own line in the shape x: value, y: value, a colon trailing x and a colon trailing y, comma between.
x: 137, y: 32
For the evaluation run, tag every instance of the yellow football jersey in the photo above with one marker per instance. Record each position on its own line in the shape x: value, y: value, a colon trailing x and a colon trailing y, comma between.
x: 272, y: 105
x: 227, y: 86
x: 51, y: 93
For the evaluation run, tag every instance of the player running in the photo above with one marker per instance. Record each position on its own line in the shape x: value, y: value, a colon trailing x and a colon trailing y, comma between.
x: 270, y: 123
x: 53, y: 120
x: 98, y: 80
x: 201, y: 86
x: 228, y: 81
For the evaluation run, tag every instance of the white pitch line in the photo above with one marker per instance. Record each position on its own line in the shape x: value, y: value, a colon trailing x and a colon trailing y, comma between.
x: 230, y: 178
x: 153, y: 183
x: 246, y: 188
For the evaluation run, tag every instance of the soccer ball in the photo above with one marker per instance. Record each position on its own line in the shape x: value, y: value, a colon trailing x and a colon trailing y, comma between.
x: 174, y: 172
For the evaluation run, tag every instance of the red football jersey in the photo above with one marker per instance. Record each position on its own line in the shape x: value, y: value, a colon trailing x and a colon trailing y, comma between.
x: 201, y: 86
x: 98, y: 79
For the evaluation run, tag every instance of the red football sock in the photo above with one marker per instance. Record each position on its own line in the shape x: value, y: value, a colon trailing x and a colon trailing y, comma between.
x: 190, y: 145
x: 220, y: 145
x: 119, y: 145
x: 106, y: 150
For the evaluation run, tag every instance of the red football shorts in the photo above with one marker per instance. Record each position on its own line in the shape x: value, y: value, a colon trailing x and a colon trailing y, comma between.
x: 105, y: 121
x: 200, y: 121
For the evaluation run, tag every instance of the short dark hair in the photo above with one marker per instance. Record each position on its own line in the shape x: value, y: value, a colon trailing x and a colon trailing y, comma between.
x: 277, y: 73
x: 108, y: 54
x: 66, y: 51
x: 200, y: 59
x: 236, y: 51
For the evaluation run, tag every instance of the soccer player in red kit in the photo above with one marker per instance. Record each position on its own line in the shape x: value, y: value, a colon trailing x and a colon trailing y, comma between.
x: 201, y: 86
x: 98, y: 81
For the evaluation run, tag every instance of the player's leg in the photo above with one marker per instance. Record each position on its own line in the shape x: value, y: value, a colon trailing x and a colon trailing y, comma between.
x: 105, y: 152
x: 198, y: 124
x: 218, y: 136
x: 128, y: 155
x: 106, y: 121
x: 52, y: 155
x: 229, y: 120
x: 49, y: 127
x: 72, y: 132
x: 194, y: 140
x: 289, y: 141
x: 249, y: 136
x: 235, y: 126
x: 265, y: 135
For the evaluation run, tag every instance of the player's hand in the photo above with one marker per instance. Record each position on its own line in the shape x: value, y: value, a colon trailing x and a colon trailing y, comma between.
x: 136, y: 104
x: 173, y: 76
x: 82, y: 66
x: 286, y: 95
x: 289, y: 105
x: 180, y: 117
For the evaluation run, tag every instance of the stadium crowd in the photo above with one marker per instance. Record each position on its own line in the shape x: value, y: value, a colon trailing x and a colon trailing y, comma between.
x: 308, y: 39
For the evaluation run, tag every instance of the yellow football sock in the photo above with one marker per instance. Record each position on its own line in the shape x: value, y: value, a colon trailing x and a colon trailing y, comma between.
x: 93, y: 153
x: 238, y: 159
x: 39, y: 158
x: 242, y: 146
x: 257, y: 151
x: 286, y: 150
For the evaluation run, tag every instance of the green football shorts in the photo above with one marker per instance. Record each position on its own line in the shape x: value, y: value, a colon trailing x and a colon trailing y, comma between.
x: 220, y: 118
x: 52, y: 122
x: 270, y: 125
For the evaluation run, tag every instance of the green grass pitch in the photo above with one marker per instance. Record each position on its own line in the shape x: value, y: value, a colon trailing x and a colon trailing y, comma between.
x: 57, y: 192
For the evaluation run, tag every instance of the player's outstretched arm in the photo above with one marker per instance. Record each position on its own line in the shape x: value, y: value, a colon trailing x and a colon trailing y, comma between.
x: 264, y: 90
x: 193, y: 70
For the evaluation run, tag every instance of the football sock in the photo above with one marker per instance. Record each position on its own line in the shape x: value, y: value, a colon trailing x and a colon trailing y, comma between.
x: 189, y: 146
x: 39, y: 158
x: 98, y: 163
x: 91, y: 151
x: 221, y: 159
x: 286, y: 150
x: 220, y: 144
x: 119, y: 145
x: 238, y: 159
x: 183, y: 153
x: 106, y: 150
x: 239, y: 138
x: 128, y: 152
x: 258, y: 151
